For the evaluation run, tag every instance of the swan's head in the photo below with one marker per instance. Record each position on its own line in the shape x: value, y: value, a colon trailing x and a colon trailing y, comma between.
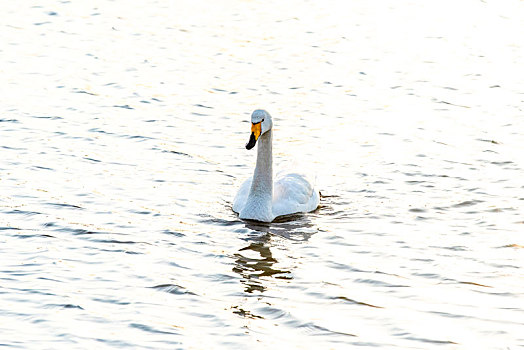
x: 261, y: 123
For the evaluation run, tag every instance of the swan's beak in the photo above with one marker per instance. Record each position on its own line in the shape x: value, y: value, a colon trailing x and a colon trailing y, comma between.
x: 256, y: 129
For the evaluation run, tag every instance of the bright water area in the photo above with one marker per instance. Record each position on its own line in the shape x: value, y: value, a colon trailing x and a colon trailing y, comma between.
x: 122, y: 133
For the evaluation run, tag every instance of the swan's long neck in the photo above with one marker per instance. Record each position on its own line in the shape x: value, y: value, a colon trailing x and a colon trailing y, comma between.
x: 262, y: 185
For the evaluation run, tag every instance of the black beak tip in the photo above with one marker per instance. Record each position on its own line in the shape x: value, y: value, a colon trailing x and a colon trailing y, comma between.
x: 251, y: 142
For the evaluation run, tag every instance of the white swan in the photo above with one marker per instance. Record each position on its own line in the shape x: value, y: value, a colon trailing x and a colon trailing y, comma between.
x: 259, y: 198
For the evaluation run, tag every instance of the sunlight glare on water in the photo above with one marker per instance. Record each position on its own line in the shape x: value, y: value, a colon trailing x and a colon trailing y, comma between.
x: 122, y: 136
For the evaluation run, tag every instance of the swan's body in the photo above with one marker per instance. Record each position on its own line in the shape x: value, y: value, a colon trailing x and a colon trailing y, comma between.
x: 261, y: 199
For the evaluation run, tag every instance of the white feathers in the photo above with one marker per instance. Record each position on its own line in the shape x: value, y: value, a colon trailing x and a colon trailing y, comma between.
x: 292, y: 193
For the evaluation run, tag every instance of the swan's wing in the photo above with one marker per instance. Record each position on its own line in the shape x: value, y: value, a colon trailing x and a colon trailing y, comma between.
x: 240, y: 199
x: 293, y: 193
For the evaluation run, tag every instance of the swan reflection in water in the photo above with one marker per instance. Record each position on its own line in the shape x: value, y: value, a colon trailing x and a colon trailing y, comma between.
x: 256, y: 259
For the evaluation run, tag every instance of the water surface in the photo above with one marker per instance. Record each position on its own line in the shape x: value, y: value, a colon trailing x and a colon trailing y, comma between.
x: 122, y: 133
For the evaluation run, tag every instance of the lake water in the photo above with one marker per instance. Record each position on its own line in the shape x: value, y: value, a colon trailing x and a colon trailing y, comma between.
x: 122, y: 133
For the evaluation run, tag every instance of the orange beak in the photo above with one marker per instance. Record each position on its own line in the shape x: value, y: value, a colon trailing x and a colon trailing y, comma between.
x: 256, y: 130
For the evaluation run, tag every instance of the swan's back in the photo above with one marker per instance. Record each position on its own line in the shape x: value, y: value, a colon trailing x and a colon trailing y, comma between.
x: 293, y: 193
